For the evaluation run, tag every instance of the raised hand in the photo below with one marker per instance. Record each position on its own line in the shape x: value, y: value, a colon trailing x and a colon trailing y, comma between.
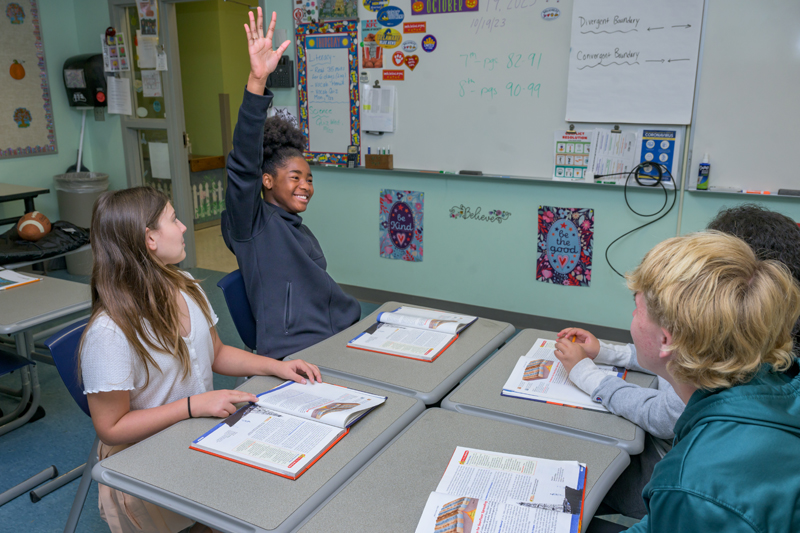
x: 263, y: 59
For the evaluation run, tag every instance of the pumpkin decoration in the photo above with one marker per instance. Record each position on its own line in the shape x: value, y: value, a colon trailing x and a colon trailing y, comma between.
x: 17, y: 71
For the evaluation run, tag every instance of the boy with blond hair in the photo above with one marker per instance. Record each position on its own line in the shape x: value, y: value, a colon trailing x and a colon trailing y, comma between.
x: 715, y: 322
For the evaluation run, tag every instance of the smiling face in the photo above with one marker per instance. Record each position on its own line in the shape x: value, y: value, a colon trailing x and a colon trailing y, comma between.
x: 292, y: 188
x: 166, y: 241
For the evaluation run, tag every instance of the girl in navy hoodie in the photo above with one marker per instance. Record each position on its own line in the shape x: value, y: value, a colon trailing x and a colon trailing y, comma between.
x: 295, y: 301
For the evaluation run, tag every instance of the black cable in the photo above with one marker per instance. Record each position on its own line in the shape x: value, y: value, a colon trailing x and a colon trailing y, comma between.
x: 658, y: 181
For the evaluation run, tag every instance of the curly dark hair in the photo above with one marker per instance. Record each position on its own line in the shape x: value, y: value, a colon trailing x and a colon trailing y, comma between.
x: 771, y: 235
x: 282, y: 141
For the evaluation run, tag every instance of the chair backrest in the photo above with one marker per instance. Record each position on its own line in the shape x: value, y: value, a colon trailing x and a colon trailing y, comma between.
x: 235, y: 295
x: 64, y: 349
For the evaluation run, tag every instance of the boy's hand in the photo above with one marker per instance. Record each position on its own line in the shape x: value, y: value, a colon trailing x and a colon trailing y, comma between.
x: 569, y: 353
x: 583, y: 338
x: 263, y: 59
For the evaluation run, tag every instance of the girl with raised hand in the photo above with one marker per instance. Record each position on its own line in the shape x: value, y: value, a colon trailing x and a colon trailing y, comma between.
x: 150, y: 346
x: 295, y: 301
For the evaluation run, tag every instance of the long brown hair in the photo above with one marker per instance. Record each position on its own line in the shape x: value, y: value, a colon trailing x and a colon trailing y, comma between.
x: 133, y: 287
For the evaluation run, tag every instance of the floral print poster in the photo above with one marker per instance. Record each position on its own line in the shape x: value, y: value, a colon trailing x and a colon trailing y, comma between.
x: 401, y: 224
x: 565, y: 245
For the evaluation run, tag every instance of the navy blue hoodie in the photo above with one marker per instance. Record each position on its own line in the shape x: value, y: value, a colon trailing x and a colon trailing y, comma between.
x: 295, y: 301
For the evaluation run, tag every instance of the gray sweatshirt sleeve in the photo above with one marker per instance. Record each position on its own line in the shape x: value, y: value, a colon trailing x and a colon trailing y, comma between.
x: 654, y: 410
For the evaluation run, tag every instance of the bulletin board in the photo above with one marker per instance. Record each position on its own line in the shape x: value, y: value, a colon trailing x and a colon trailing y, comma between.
x: 327, y: 89
x: 26, y: 112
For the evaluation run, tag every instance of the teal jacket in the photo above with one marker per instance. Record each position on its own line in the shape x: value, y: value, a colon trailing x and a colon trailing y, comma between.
x: 734, y: 464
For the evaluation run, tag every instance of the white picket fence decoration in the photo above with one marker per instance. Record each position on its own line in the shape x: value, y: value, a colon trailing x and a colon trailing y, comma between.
x: 208, y: 201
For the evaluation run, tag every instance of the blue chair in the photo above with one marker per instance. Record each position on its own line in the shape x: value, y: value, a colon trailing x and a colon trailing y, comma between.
x: 235, y: 295
x: 64, y: 349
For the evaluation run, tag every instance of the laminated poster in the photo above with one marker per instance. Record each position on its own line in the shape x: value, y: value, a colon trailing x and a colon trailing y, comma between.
x: 401, y: 224
x: 566, y: 241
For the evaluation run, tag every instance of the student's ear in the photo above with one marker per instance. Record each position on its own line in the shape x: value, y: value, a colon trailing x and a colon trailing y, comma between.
x: 266, y: 181
x: 151, y: 240
x: 666, y: 341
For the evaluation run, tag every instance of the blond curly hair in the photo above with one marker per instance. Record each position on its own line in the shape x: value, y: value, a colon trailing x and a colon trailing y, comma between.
x: 727, y: 311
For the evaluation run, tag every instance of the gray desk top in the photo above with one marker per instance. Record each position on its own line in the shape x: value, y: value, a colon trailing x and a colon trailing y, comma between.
x: 427, y: 381
x: 233, y: 497
x: 394, y: 486
x: 24, y: 307
x: 480, y: 395
x: 13, y: 192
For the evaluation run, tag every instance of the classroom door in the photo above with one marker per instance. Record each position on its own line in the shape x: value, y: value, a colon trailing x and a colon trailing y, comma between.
x: 154, y: 136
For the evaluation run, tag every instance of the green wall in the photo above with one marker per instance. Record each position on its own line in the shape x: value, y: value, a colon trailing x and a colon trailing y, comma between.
x: 69, y: 27
x: 201, y: 73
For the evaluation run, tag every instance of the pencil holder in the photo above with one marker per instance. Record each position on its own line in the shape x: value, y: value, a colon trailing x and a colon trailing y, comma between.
x: 383, y: 161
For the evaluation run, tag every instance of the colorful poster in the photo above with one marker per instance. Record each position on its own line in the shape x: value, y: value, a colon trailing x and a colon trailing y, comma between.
x: 566, y: 242
x: 148, y: 16
x: 371, y: 53
x: 571, y: 154
x: 337, y: 9
x: 401, y: 224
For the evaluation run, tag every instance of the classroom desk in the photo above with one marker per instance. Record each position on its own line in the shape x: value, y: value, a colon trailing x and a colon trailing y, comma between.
x: 480, y: 395
x: 389, y: 494
x: 427, y: 381
x: 10, y: 193
x: 26, y: 307
x: 236, y: 498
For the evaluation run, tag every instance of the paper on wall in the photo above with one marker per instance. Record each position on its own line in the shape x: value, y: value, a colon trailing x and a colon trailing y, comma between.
x: 378, y: 108
x: 613, y: 155
x: 119, y: 95
x: 159, y: 160
x: 151, y: 83
x: 146, y: 50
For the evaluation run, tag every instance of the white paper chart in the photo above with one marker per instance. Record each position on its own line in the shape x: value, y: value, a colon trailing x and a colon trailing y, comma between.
x: 633, y: 61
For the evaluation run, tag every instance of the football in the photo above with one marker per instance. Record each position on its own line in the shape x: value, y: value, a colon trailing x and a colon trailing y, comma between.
x: 33, y: 226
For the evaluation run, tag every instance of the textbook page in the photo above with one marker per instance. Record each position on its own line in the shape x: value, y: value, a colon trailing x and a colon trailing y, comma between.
x: 447, y: 322
x: 402, y: 340
x: 330, y: 404
x: 269, y: 440
x: 486, y: 491
x: 539, y: 375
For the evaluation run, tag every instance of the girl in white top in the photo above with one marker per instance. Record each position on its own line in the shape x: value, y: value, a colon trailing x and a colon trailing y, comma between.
x: 150, y: 347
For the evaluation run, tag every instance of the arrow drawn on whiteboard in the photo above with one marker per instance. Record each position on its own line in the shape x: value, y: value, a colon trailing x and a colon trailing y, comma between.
x: 650, y: 29
x: 608, y: 64
x: 603, y: 31
x: 683, y: 26
x: 671, y: 60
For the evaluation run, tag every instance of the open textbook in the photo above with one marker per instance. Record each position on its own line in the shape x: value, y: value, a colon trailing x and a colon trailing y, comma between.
x: 490, y: 492
x: 10, y: 279
x: 540, y: 376
x: 414, y: 333
x: 289, y: 428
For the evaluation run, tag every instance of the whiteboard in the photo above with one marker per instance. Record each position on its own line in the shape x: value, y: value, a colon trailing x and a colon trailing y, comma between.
x: 748, y: 104
x: 490, y: 95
